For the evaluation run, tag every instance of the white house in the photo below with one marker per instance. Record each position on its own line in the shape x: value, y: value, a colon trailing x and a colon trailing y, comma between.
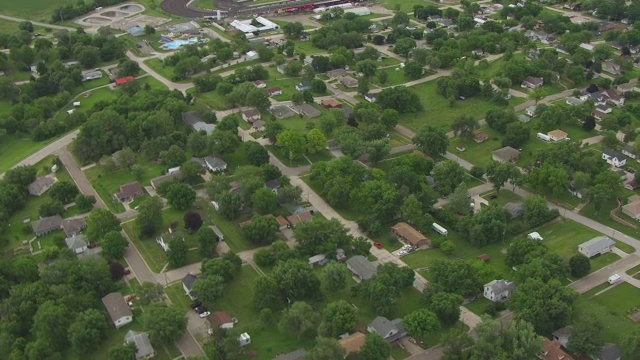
x: 614, y: 158
x: 215, y: 164
x: 119, y: 312
x: 390, y: 330
x: 498, y: 290
x: 596, y: 246
x: 531, y: 111
x: 164, y: 239
x: 252, y: 55
x: 371, y: 97
x: 244, y: 339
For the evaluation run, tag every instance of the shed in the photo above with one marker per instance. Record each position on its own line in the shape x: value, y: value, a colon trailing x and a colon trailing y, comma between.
x: 318, y: 260
x: 221, y: 319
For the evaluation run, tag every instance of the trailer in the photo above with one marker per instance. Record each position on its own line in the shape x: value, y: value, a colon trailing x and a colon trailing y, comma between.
x: 439, y: 229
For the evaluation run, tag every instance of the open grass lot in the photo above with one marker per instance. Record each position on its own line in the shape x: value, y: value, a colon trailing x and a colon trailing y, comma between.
x: 395, y: 77
x: 404, y: 5
x: 212, y: 99
x: 158, y: 66
x: 477, y: 307
x: 153, y: 82
x: 438, y: 112
x: 305, y: 47
x: 604, y: 218
x: 611, y: 307
x: 33, y: 9
x: 108, y: 183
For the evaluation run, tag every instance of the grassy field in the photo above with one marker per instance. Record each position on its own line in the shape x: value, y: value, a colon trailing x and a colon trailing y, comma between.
x: 158, y: 66
x: 611, y: 307
x: 33, y: 9
x: 438, y: 112
x: 604, y: 218
x: 405, y: 5
x: 305, y: 47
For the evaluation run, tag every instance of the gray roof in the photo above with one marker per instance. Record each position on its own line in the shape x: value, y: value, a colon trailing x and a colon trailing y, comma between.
x: 203, y: 126
x: 273, y: 184
x: 215, y: 162
x: 199, y: 161
x: 281, y: 112
x: 614, y: 154
x: 506, y: 153
x: 92, y: 75
x: 188, y: 281
x: 47, y: 224
x: 191, y: 117
x: 500, y: 286
x: 610, y: 352
x: 307, y: 110
x: 564, y: 332
x: 298, y: 354
x: 336, y: 72
x: 383, y: 326
x: 628, y: 148
x: 77, y: 242
x: 40, y: 183
x: 316, y: 258
x: 155, y: 182
x: 362, y: 267
x: 524, y: 118
x: 73, y: 226
x: 516, y: 209
x: 142, y: 342
x: 597, y: 244
x: 116, y: 306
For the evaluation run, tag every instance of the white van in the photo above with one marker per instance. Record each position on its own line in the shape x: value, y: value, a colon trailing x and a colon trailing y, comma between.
x: 614, y: 279
x: 544, y: 137
x: 439, y: 229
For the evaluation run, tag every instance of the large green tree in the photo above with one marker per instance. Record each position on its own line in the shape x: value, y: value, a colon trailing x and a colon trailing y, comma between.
x: 149, y: 218
x: 421, y: 322
x: 100, y: 222
x: 87, y: 331
x: 335, y: 276
x: 375, y: 348
x: 432, y: 140
x: 209, y: 288
x: 177, y: 253
x: 165, y: 324
x: 181, y: 196
x: 587, y: 336
x: 114, y: 246
x: 207, y: 241
x: 262, y: 230
x: 300, y: 319
x: 264, y: 201
x: 338, y: 317
x: 326, y: 349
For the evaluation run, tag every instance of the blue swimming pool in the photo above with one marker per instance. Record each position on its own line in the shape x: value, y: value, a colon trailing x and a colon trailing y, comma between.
x: 178, y: 43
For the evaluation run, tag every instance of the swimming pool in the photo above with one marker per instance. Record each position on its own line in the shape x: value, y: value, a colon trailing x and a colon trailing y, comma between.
x: 178, y: 43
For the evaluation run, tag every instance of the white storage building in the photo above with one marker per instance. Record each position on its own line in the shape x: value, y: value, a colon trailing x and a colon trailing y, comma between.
x: 247, y: 26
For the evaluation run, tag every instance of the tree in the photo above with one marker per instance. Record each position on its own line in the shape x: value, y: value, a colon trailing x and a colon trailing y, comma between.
x: 63, y: 191
x: 87, y: 331
x: 522, y: 251
x: 516, y: 134
x: 580, y: 265
x: 149, y: 218
x: 230, y: 204
x: 209, y: 288
x: 457, y: 276
x: 256, y: 153
x: 296, y: 280
x: 500, y: 173
x: 455, y: 343
x: 367, y: 67
x: 432, y: 140
x: 301, y: 319
x: 449, y: 174
x: 460, y: 200
x: 399, y: 98
x: 51, y: 207
x: 26, y: 26
x: 536, y: 95
x: 515, y: 342
x: 335, y: 276
x: 181, y: 196
x: 587, y: 336
x: 446, y: 306
x: 536, y: 210
x: 177, y: 253
x: 165, y: 324
x: 174, y: 156
x: 289, y: 194
x: 316, y: 141
x: 320, y: 236
x: 191, y: 171
x: 207, y: 241
x: 631, y: 345
x: 84, y: 202
x: 21, y: 176
x: 264, y: 201
x: 51, y: 323
x: 100, y: 222
x: 123, y: 352
x: 150, y: 292
x: 375, y: 348
x: 262, y: 230
x: 413, y: 70
x: 421, y: 322
x: 404, y: 46
x: 293, y: 30
x: 546, y: 305
x: 293, y: 141
x: 338, y: 317
x: 192, y: 221
x: 326, y: 349
x: 411, y: 209
x: 464, y: 126
x: 318, y: 86
x: 114, y: 246
x: 589, y: 123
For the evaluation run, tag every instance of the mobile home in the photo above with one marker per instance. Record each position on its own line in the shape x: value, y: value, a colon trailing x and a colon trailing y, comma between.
x: 439, y: 229
x: 544, y: 137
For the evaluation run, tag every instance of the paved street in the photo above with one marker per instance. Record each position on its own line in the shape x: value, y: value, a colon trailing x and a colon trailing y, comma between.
x: 598, y: 277
x: 78, y: 176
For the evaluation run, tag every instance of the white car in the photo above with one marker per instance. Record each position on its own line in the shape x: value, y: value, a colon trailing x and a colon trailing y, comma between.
x: 204, y: 314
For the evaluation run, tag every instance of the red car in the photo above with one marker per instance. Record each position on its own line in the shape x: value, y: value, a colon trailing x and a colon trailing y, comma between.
x: 378, y: 245
x: 127, y: 271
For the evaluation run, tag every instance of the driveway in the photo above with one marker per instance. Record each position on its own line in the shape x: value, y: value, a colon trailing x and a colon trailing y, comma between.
x: 78, y: 176
x: 598, y: 277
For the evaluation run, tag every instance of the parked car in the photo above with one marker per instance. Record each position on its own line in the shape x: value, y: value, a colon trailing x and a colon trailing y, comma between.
x: 204, y: 314
x: 196, y: 304
x: 377, y: 244
x: 201, y: 309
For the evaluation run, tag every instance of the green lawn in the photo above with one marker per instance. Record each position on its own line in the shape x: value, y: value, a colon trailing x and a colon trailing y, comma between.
x: 396, y: 76
x: 611, y: 307
x: 477, y: 307
x: 438, y: 112
x: 158, y: 66
x: 634, y: 270
x: 305, y: 47
x: 349, y: 212
x: 177, y: 296
x: 283, y: 156
x: 213, y: 99
x: 604, y: 218
x: 153, y: 83
x: 37, y: 10
x: 405, y: 5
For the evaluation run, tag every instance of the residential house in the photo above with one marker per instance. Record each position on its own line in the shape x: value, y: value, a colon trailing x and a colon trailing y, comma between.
x: 260, y: 84
x: 298, y: 354
x: 480, y: 136
x: 91, y: 75
x: 557, y: 135
x: 597, y: 97
x: 77, y: 243
x: 348, y: 81
x: 251, y: 115
x: 334, y: 74
x: 629, y: 151
x: 215, y: 164
x: 155, y: 182
x: 632, y: 208
x: 515, y: 209
x: 506, y: 154
x: 273, y: 91
x: 614, y: 158
x: 129, y: 191
x: 371, y: 97
x: 604, y: 108
x: 73, y: 227
x: 318, y: 260
x: 221, y: 319
x: 298, y: 218
x: 144, y: 349
x: 553, y: 351
x: 611, y: 67
x: 119, y: 312
x: 164, y: 239
x: 273, y: 185
x: 282, y: 112
x: 410, y: 235
x: 609, y: 352
x: 563, y: 335
x: 579, y: 193
x: 498, y: 290
x: 187, y: 285
x: 307, y: 110
x: 361, y: 267
x: 331, y: 103
x: 203, y: 126
x: 574, y: 101
x: 281, y: 68
x: 532, y: 82
x: 599, y: 114
x: 40, y: 185
x: 596, y: 246
x: 353, y: 343
x: 627, y: 87
x: 614, y: 98
x: 303, y: 86
x: 46, y: 225
x: 194, y: 120
x: 259, y: 125
x: 531, y: 110
x: 390, y: 330
x: 282, y: 222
